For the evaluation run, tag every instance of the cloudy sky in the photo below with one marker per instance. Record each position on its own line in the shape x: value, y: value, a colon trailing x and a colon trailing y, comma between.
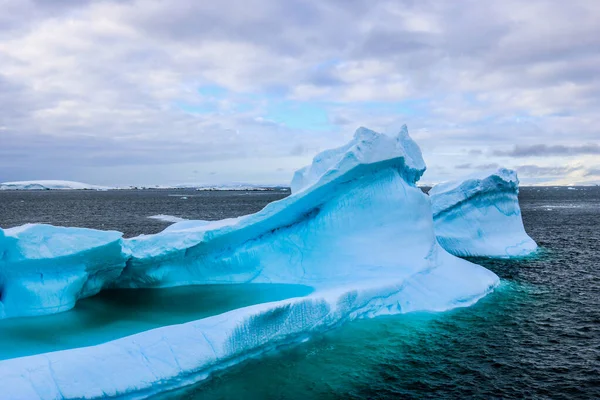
x: 167, y: 92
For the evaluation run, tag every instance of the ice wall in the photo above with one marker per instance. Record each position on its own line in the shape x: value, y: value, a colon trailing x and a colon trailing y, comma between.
x: 480, y: 216
x: 45, y: 269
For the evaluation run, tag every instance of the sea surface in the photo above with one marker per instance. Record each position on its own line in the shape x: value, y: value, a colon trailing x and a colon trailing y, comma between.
x: 536, y: 336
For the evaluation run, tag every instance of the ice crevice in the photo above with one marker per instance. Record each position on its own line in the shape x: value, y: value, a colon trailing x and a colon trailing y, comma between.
x: 356, y: 228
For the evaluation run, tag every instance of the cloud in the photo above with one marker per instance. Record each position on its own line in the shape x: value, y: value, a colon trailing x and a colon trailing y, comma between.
x: 463, y: 166
x: 592, y: 172
x: 542, y: 150
x: 477, y: 166
x: 533, y: 170
x: 488, y: 166
x: 119, y: 84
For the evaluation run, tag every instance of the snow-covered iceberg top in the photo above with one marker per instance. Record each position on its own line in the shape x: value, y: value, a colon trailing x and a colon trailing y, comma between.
x: 366, y: 147
x: 50, y: 185
x: 480, y: 215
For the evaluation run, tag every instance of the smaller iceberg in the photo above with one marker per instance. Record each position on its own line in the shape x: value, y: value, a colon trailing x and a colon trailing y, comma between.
x: 167, y: 218
x: 45, y: 269
x: 480, y: 216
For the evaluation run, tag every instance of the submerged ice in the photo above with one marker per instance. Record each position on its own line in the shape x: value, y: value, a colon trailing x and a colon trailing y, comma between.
x: 480, y: 216
x: 356, y: 228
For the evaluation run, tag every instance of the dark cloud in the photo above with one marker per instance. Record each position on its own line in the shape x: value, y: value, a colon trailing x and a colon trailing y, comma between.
x: 477, y: 166
x: 593, y: 172
x: 542, y: 150
x: 535, y: 170
x: 297, y: 150
x: 340, y: 120
x: 487, y: 166
x: 388, y: 43
x: 323, y: 76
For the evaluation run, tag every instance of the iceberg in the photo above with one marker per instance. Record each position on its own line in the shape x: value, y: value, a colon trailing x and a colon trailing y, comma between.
x: 45, y: 269
x: 356, y: 228
x: 480, y: 216
x: 167, y: 218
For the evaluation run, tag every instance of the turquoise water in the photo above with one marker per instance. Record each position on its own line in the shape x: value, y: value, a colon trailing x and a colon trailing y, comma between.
x: 117, y: 313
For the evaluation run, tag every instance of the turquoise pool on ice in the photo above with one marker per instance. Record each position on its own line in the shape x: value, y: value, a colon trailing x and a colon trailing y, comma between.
x: 113, y: 314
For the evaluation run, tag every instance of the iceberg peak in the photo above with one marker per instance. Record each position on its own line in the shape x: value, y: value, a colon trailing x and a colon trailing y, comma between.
x: 366, y: 147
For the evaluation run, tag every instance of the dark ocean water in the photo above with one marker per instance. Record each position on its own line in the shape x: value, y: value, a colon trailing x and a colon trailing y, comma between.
x: 126, y: 211
x: 536, y: 336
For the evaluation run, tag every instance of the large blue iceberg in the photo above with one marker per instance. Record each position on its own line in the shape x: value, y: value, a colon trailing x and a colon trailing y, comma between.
x: 480, y: 216
x: 356, y: 228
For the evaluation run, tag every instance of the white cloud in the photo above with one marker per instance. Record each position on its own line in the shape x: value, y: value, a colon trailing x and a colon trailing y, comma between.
x: 121, y: 79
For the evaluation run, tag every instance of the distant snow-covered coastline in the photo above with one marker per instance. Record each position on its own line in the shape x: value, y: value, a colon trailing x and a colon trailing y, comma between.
x: 224, y: 187
x: 50, y: 185
x: 72, y: 185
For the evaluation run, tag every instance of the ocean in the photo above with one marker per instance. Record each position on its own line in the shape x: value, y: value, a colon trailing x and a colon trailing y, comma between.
x: 536, y: 336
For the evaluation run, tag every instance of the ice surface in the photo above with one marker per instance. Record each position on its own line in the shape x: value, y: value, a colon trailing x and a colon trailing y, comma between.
x: 480, y: 216
x: 44, y: 269
x: 356, y: 228
x: 49, y: 184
